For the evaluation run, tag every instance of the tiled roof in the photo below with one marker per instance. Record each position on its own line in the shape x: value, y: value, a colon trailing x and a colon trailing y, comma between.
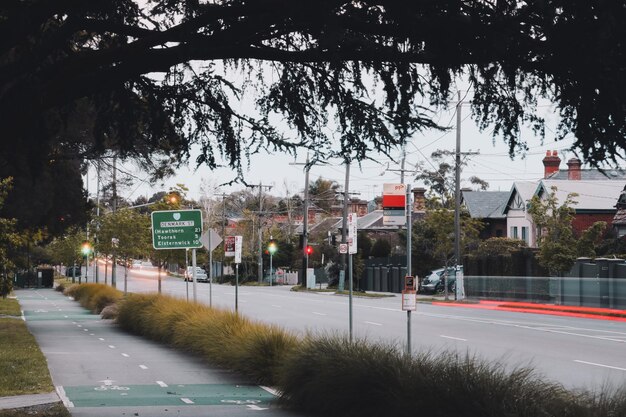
x: 591, y: 175
x: 592, y: 194
x: 486, y: 204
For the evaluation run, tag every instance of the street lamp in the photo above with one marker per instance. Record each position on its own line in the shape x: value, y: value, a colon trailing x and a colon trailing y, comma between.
x: 271, y: 248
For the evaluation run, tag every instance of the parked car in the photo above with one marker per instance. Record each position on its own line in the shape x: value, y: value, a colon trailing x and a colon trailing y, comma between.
x: 69, y: 271
x: 434, y: 282
x: 136, y: 264
x: 201, y: 275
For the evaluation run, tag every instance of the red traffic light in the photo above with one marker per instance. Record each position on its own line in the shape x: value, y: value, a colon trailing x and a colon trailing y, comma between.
x: 309, y: 250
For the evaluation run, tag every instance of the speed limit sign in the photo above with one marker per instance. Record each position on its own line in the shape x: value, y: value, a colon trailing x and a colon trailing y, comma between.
x: 343, y: 248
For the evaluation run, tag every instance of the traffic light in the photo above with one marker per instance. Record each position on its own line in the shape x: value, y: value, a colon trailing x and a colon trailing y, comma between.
x: 309, y: 250
x: 272, y: 247
x: 85, y: 249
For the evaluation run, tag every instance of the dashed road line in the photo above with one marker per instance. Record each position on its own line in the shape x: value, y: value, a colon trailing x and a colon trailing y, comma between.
x: 161, y: 384
x: 319, y: 314
x: 126, y: 355
x: 112, y: 347
x: 600, y: 365
x: 373, y: 323
x: 186, y: 400
x: 144, y: 367
x: 452, y: 338
x: 101, y: 339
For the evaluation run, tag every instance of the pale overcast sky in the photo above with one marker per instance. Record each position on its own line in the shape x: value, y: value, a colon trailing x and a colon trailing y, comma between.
x: 493, y: 163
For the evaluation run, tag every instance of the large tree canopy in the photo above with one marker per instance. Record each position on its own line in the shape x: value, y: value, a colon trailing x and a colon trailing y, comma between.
x: 78, y: 78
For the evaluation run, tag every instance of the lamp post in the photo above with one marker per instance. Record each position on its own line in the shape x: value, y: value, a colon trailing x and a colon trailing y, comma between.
x: 271, y: 248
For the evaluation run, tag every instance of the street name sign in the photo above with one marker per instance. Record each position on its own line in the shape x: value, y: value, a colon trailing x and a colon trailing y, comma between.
x: 176, y: 229
x: 394, y: 204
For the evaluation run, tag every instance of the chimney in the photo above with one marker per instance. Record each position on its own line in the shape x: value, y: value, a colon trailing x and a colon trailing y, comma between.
x: 419, y: 199
x: 551, y: 163
x: 573, y: 172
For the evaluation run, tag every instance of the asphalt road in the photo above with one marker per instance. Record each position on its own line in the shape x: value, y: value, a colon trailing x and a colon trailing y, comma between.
x: 579, y: 353
x: 100, y: 371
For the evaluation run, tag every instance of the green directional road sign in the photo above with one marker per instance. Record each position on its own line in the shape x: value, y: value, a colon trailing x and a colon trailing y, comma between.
x: 176, y: 229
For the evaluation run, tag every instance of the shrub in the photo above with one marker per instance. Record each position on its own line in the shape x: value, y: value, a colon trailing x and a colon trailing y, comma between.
x: 94, y: 296
x: 359, y: 379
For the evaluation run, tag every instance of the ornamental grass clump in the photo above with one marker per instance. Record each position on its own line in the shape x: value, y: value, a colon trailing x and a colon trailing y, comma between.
x: 94, y: 296
x: 361, y: 379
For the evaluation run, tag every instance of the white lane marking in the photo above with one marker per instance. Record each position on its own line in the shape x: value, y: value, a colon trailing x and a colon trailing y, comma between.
x: 143, y: 366
x: 319, y: 314
x: 186, y: 400
x: 100, y: 338
x: 73, y: 322
x: 162, y: 384
x: 91, y: 334
x: 256, y: 407
x: 270, y: 390
x: 373, y: 323
x: 65, y: 317
x: 452, y: 337
x: 126, y: 355
x: 112, y: 347
x: 277, y: 306
x: 85, y: 330
x: 79, y: 325
x: 601, y: 365
x: 63, y: 396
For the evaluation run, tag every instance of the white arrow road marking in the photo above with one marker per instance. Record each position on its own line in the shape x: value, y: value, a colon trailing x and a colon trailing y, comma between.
x: 453, y: 338
x: 601, y: 365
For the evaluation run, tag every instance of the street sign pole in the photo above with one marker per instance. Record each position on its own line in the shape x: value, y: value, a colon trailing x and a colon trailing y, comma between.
x: 210, y: 273
x: 193, y: 265
x: 236, y: 288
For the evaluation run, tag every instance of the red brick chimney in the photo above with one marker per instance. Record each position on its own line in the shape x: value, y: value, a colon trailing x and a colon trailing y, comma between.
x: 419, y: 199
x: 551, y: 163
x: 573, y: 171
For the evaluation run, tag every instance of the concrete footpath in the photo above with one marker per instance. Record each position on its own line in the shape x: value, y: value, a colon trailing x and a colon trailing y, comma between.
x: 99, y: 370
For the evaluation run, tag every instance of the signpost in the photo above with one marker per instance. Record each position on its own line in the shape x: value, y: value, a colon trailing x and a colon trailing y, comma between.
x: 233, y: 246
x: 210, y: 240
x: 178, y: 229
x: 394, y: 204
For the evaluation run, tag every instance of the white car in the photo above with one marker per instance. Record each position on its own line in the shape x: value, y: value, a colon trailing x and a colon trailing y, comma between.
x: 201, y: 275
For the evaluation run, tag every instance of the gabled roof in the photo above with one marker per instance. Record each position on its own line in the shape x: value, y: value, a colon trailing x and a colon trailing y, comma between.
x: 485, y: 204
x: 592, y: 194
x: 525, y: 189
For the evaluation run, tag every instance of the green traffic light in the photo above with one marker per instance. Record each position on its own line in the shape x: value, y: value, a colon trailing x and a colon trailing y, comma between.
x: 86, y: 249
x: 272, y: 248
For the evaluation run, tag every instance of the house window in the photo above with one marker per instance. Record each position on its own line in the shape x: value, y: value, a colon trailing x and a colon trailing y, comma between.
x: 498, y: 233
x: 514, y: 232
x: 525, y: 234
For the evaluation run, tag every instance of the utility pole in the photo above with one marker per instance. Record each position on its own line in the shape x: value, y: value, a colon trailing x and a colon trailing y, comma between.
x: 344, y: 240
x: 97, y: 234
x: 260, y: 230
x: 457, y: 199
x: 113, y: 258
x: 305, y: 222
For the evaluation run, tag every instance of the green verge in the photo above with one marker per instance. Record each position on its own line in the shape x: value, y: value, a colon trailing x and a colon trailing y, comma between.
x: 47, y: 410
x: 23, y: 368
x: 9, y: 307
x: 331, y: 376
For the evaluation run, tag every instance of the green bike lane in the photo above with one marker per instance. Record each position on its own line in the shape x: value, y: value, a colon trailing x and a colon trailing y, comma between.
x: 99, y: 370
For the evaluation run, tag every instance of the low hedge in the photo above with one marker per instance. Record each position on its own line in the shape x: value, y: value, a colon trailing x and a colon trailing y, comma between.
x: 331, y: 376
x: 94, y: 297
